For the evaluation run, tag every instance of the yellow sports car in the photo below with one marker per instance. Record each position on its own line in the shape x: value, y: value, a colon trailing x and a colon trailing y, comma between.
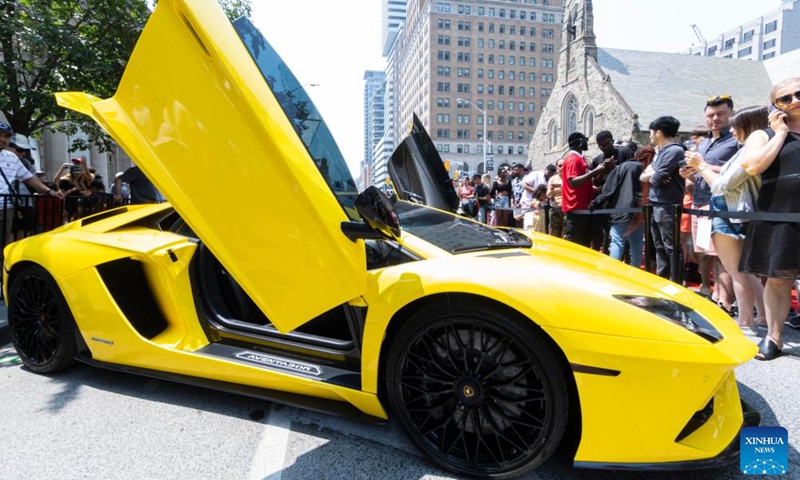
x: 269, y: 274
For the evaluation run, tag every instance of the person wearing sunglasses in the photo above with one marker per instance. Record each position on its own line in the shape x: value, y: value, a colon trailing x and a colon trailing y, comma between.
x: 771, y: 248
x: 717, y: 149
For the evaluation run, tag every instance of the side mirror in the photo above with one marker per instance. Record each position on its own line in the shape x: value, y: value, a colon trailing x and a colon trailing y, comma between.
x: 378, y: 213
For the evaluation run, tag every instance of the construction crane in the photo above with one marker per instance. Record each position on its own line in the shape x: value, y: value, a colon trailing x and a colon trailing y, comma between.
x: 699, y: 34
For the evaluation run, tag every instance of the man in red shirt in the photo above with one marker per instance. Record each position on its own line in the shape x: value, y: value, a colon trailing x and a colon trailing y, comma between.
x: 576, y: 189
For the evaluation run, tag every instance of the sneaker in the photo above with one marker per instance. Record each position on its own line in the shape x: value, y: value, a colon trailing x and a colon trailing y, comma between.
x: 794, y: 322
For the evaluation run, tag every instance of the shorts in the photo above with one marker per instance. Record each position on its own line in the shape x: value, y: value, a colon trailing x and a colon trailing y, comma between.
x: 711, y: 251
x: 502, y: 202
x: 724, y: 226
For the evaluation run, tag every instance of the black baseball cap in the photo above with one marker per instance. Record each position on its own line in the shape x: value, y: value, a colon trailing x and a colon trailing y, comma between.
x: 4, y: 127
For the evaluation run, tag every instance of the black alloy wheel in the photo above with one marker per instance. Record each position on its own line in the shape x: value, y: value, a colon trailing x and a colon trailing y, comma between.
x: 41, y: 324
x: 480, y: 393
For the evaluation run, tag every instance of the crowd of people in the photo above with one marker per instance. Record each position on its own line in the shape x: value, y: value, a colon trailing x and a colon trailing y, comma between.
x: 31, y: 203
x: 731, y: 172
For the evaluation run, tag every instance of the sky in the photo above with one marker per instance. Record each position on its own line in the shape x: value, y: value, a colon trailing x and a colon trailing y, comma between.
x: 332, y: 44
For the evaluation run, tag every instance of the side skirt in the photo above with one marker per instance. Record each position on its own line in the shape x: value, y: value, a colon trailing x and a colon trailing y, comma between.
x: 332, y: 407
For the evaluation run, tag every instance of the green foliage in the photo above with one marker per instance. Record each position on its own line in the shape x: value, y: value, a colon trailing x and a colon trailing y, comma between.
x: 50, y: 46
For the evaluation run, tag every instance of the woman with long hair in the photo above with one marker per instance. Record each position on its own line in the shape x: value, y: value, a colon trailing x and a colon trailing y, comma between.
x: 501, y: 192
x: 734, y: 190
x: 771, y: 248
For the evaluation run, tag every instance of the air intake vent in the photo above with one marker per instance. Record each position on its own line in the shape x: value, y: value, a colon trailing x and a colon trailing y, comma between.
x: 103, y: 216
x: 126, y: 281
x: 698, y: 420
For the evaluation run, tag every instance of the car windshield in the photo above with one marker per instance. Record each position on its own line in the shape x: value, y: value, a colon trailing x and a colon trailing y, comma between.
x: 302, y: 113
x: 453, y: 233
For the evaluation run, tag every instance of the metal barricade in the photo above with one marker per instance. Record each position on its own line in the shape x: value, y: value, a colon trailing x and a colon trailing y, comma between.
x: 26, y: 215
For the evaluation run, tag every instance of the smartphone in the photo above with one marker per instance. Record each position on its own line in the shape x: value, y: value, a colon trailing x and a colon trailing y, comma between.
x: 682, y: 162
x: 773, y: 108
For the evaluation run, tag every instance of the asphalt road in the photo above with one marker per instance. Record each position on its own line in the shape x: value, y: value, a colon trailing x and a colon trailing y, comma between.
x: 87, y: 423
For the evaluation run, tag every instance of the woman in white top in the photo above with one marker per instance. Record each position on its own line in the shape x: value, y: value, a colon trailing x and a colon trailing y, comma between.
x: 734, y: 190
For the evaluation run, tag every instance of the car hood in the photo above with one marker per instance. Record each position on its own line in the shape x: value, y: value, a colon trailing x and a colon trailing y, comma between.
x: 220, y: 125
x: 418, y: 173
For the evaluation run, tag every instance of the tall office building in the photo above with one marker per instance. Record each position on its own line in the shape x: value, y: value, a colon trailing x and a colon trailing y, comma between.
x: 393, y: 15
x: 374, y: 90
x: 765, y: 37
x: 499, y: 56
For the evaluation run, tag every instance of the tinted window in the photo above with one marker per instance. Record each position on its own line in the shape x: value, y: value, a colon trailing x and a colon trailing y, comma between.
x: 301, y: 112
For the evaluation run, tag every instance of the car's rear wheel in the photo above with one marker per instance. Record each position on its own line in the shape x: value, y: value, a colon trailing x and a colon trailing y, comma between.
x: 481, y: 393
x: 41, y: 324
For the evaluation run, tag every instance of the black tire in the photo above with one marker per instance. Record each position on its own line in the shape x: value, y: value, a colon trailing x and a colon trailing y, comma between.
x: 480, y: 393
x: 41, y: 324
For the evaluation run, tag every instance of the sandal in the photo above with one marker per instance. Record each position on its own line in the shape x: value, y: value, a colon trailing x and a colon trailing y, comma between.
x: 768, y: 349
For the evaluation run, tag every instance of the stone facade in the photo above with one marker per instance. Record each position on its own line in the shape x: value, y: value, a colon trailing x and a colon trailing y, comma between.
x: 582, y: 99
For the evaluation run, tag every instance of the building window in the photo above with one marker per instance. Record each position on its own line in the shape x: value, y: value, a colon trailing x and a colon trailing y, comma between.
x: 491, y: 28
x: 443, y: 7
x: 771, y: 26
x: 748, y: 36
x: 728, y: 44
x: 480, y: 26
x: 712, y: 51
x: 769, y: 44
x: 553, y: 135
x: 588, y: 122
x: 767, y: 56
x: 745, y: 52
x: 571, y: 115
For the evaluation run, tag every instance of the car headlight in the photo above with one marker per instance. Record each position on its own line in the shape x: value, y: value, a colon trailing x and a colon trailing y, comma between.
x: 676, y: 313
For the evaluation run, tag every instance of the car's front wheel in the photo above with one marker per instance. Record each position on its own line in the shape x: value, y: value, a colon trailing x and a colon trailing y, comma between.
x: 481, y: 393
x: 41, y: 324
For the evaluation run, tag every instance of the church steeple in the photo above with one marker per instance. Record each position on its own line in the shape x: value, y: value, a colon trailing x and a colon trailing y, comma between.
x: 577, y: 37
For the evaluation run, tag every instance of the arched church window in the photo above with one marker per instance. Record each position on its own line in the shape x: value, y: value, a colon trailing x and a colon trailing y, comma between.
x: 572, y: 24
x: 553, y: 135
x: 571, y: 115
x: 588, y: 122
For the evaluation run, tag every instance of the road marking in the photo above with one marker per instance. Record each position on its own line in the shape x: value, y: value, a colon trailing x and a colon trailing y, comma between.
x: 270, y: 456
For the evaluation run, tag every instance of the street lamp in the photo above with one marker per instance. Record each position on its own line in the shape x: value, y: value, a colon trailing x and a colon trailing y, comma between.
x: 489, y: 160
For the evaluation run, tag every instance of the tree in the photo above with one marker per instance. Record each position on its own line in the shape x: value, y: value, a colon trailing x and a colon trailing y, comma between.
x: 49, y: 46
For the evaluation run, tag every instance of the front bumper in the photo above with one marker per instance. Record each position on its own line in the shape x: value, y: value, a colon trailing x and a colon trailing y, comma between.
x: 729, y: 456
